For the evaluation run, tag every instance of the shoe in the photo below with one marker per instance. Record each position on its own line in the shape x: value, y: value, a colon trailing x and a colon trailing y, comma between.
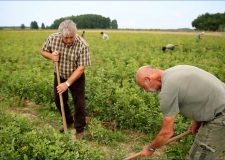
x: 79, y: 135
x: 61, y: 130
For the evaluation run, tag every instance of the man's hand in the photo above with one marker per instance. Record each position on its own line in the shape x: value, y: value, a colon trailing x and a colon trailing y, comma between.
x: 61, y: 88
x: 55, y: 56
x: 145, y: 152
x: 193, y: 128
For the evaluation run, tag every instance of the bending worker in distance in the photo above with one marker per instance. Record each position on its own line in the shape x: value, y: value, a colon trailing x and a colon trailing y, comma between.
x: 194, y: 93
x: 72, y: 53
x: 169, y: 46
x: 104, y: 36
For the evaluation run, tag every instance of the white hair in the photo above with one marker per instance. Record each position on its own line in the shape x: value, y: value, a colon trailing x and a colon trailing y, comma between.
x: 67, y: 27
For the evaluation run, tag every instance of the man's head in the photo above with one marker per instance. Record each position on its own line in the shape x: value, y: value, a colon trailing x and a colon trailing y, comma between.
x: 67, y: 29
x: 149, y: 78
x: 163, y: 48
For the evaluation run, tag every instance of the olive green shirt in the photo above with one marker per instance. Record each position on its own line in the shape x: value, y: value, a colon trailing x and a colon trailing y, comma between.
x: 191, y: 91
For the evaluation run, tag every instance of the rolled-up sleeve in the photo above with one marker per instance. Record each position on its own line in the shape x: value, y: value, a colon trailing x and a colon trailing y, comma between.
x: 47, y: 46
x: 85, y: 57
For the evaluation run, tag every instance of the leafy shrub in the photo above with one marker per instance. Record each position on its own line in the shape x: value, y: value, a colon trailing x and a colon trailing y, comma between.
x: 20, y: 139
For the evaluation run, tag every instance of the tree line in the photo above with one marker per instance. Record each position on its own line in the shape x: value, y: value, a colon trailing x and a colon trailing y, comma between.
x: 87, y: 21
x: 210, y: 22
x: 207, y: 22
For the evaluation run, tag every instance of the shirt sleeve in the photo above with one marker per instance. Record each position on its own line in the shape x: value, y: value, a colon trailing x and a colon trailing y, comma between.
x: 169, y: 104
x: 84, y: 58
x: 47, y: 46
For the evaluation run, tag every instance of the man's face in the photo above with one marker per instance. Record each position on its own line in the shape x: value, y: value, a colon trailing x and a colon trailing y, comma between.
x: 69, y: 39
x: 150, y: 85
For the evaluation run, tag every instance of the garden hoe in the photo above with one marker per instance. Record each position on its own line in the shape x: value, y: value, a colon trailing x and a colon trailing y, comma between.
x: 61, y: 98
x: 135, y: 156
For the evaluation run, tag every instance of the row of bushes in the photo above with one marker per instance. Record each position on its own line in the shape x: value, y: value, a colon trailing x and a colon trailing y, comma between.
x: 21, y: 139
x: 111, y: 92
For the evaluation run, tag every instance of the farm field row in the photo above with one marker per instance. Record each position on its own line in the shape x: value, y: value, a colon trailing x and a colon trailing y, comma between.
x: 111, y: 93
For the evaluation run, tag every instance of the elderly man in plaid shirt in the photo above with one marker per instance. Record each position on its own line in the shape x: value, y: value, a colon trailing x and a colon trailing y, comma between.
x: 73, y: 55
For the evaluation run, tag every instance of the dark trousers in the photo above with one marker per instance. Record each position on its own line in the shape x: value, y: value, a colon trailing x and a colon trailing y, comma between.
x: 77, y: 90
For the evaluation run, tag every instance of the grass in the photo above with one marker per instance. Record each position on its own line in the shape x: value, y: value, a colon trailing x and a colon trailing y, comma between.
x: 115, y: 144
x: 122, y: 118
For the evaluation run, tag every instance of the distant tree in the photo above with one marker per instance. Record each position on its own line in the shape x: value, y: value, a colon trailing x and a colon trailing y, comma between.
x: 42, y: 26
x: 114, y: 24
x: 86, y: 21
x: 222, y: 27
x: 34, y: 25
x: 22, y: 26
x: 56, y: 23
x: 211, y: 22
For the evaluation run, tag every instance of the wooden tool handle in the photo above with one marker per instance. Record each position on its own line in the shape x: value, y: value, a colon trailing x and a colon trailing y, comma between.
x: 169, y: 141
x: 61, y: 98
x: 178, y: 137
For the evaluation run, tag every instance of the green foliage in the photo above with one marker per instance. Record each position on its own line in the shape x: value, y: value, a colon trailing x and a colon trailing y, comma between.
x: 22, y: 26
x: 210, y: 22
x: 88, y: 21
x: 111, y: 92
x: 21, y: 139
x: 42, y: 26
x: 114, y: 24
x: 101, y: 135
x: 34, y: 25
x: 175, y: 151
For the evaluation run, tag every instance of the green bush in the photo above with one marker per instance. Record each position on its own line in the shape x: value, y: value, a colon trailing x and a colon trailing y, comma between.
x: 21, y: 139
x: 111, y: 92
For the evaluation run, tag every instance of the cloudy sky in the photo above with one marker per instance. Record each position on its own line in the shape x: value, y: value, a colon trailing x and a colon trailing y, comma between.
x: 129, y: 14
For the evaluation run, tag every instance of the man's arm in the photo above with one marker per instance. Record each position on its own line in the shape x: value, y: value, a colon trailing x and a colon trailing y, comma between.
x: 51, y: 56
x: 75, y: 75
x: 193, y: 128
x: 162, y: 137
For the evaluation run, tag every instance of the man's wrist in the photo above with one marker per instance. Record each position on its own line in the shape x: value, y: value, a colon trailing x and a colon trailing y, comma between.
x: 67, y: 84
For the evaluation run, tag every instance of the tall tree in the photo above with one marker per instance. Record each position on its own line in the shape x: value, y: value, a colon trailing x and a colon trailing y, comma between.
x: 42, y: 26
x: 22, y: 26
x: 211, y: 22
x: 114, y: 24
x: 86, y: 21
x: 34, y: 25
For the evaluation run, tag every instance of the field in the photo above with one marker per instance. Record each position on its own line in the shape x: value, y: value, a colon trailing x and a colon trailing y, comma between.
x: 122, y: 118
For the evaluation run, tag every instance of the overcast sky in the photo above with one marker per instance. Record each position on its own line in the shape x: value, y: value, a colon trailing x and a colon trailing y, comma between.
x: 129, y: 14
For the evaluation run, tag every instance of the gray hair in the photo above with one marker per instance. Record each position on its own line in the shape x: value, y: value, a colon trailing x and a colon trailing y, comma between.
x: 67, y: 27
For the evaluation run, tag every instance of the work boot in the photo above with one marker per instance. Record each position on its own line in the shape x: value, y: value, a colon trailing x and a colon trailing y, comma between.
x: 61, y: 130
x: 79, y: 135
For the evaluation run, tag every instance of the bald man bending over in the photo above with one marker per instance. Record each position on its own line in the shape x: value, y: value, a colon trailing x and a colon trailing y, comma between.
x: 194, y: 93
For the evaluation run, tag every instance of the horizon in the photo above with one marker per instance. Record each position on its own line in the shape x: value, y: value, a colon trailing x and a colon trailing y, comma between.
x: 129, y: 14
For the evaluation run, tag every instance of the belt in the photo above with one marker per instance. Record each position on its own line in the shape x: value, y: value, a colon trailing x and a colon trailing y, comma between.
x: 220, y: 114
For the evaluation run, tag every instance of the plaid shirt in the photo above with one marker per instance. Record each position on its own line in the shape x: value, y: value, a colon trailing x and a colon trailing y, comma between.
x: 70, y: 56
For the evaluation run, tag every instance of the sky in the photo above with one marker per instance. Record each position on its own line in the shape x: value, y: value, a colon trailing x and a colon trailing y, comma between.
x: 129, y: 14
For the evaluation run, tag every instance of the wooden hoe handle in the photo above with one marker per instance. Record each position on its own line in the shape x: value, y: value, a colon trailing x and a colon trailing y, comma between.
x: 135, y: 156
x: 61, y: 98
